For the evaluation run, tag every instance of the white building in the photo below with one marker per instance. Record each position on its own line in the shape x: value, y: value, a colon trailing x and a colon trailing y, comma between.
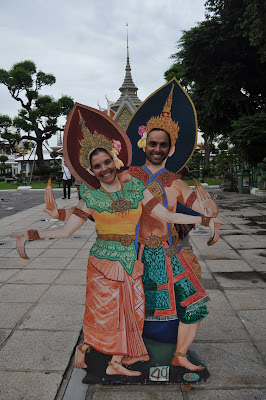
x: 5, y: 151
x: 31, y: 158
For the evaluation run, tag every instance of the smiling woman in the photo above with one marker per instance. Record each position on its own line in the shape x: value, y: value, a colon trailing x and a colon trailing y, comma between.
x: 102, y: 166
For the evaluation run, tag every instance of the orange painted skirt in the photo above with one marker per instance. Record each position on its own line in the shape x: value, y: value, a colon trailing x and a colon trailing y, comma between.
x: 114, y: 309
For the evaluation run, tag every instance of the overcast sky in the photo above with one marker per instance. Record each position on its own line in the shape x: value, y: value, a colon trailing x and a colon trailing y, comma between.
x: 83, y: 43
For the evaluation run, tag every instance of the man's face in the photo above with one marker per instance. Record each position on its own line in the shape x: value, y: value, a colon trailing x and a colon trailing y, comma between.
x: 157, y: 147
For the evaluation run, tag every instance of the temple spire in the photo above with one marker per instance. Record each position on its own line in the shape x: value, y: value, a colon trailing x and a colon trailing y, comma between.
x: 128, y: 87
x: 127, y: 46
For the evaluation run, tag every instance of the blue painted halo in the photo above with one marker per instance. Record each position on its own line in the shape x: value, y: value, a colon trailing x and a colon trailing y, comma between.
x: 182, y: 111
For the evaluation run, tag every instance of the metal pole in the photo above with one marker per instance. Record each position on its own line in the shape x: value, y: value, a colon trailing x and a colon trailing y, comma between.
x: 33, y: 165
x: 201, y: 166
x: 24, y: 164
x: 24, y: 173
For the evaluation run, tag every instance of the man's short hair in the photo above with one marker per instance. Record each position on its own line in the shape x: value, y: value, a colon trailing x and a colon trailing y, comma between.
x: 160, y: 129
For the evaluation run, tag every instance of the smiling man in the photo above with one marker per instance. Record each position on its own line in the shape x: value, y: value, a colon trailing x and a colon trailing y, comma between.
x: 157, y: 147
x: 171, y: 273
x: 173, y: 292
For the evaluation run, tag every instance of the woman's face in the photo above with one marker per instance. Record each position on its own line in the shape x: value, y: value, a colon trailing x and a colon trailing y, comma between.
x: 103, y: 167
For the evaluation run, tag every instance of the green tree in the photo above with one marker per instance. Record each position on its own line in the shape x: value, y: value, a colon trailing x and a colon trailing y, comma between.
x: 54, y: 153
x: 262, y: 174
x: 249, y: 137
x: 194, y: 164
x: 3, y: 159
x: 222, y: 71
x: 3, y: 165
x: 252, y: 21
x: 37, y: 120
x: 224, y: 160
x: 7, y: 132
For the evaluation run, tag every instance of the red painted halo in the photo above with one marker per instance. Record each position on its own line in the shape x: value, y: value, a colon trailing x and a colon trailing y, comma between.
x: 95, y: 120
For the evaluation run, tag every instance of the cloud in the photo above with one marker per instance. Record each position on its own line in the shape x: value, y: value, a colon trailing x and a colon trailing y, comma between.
x: 83, y: 43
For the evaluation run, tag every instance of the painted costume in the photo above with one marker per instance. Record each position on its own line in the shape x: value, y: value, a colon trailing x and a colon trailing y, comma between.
x: 114, y: 307
x: 171, y: 273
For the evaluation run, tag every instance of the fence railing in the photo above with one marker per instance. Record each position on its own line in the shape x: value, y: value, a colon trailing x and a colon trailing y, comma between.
x: 253, y: 175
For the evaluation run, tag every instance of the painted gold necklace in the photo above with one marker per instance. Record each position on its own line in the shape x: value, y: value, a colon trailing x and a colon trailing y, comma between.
x: 120, y: 205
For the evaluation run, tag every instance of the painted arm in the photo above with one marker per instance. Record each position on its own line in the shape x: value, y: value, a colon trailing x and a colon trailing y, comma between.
x: 71, y: 226
x: 51, y: 206
x: 180, y: 208
x: 183, y: 229
x: 159, y: 211
x: 202, y: 203
x: 207, y: 204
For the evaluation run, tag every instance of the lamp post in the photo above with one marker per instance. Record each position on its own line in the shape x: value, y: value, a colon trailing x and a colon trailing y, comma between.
x: 24, y: 164
x: 201, y: 165
x: 23, y: 150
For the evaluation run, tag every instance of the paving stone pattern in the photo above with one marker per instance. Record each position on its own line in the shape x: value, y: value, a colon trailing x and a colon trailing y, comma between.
x: 42, y: 305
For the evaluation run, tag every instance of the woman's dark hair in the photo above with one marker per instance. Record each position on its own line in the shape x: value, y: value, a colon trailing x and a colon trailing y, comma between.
x: 97, y: 151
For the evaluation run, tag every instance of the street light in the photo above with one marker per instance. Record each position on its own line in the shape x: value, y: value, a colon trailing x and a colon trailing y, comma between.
x: 23, y: 151
x: 24, y: 164
x: 201, y: 165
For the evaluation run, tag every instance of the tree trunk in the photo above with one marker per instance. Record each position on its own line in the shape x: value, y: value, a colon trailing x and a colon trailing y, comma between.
x: 39, y: 153
x: 207, y: 152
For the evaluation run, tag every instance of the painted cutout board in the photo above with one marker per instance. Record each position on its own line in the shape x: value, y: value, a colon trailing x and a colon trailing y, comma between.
x: 144, y: 298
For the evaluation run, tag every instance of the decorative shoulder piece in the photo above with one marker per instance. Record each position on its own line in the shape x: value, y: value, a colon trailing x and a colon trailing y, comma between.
x: 167, y: 178
x: 81, y: 214
x: 190, y: 200
x: 155, y: 189
x: 62, y: 214
x: 139, y: 172
x: 205, y: 221
x: 33, y: 235
x: 151, y: 204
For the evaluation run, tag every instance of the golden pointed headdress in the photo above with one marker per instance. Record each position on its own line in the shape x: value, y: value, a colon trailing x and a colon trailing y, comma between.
x: 164, y: 122
x: 96, y: 140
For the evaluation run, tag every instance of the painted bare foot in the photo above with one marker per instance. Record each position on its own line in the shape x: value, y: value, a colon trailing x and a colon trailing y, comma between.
x: 132, y: 360
x: 180, y: 360
x: 115, y: 368
x: 81, y: 350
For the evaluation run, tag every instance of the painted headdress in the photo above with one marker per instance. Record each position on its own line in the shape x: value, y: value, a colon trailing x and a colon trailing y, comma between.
x: 169, y: 108
x: 164, y: 122
x: 87, y: 129
x: 93, y: 141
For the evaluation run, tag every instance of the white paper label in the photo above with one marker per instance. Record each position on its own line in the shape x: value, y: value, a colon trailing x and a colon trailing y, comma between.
x: 159, y: 374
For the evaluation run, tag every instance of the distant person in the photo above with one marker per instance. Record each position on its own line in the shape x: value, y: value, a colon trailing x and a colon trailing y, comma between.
x: 77, y: 184
x: 67, y: 182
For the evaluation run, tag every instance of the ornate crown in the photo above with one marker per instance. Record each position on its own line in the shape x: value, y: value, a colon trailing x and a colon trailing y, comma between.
x: 164, y: 122
x: 93, y: 141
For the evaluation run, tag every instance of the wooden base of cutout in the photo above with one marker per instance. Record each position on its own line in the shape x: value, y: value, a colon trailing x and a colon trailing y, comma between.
x: 160, y: 354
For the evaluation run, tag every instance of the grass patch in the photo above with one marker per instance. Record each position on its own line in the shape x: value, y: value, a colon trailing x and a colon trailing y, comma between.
x: 210, y: 181
x: 34, y: 185
x: 6, y: 186
x: 42, y: 185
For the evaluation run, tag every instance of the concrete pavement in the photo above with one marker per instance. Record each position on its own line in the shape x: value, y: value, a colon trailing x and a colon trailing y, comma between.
x: 42, y: 305
x: 13, y: 201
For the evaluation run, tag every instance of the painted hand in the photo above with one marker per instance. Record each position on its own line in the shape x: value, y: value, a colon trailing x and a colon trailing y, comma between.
x: 21, y: 237
x: 207, y: 204
x: 215, y: 224
x: 51, y: 206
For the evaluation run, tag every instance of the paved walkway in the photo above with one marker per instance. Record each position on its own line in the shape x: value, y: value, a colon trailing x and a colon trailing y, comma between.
x: 42, y: 304
x: 13, y: 201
